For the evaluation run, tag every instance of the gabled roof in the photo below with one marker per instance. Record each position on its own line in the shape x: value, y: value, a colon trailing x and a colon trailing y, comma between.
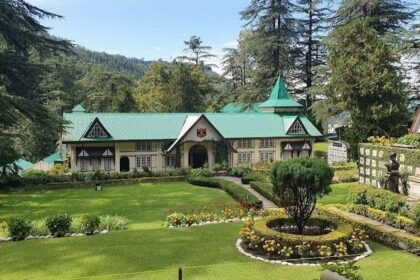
x: 298, y: 122
x: 23, y: 164
x: 167, y: 126
x: 95, y: 122
x: 279, y: 97
x: 189, y: 124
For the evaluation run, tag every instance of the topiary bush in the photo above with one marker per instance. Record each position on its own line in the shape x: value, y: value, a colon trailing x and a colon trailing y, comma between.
x: 298, y: 183
x: 59, y: 224
x: 19, y: 229
x: 90, y: 223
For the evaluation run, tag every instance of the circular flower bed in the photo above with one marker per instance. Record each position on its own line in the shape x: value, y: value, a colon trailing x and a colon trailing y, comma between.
x: 275, y: 238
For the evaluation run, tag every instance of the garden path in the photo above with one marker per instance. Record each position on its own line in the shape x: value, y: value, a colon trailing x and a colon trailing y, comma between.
x: 266, y: 203
x: 384, y: 227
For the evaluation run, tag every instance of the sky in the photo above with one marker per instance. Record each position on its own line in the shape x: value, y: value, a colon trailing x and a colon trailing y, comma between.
x: 145, y: 28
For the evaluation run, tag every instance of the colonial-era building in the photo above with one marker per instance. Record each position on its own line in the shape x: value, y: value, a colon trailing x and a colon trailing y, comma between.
x: 275, y: 130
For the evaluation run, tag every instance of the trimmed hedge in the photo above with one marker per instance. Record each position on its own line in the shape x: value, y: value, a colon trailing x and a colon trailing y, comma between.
x: 266, y: 190
x: 113, y: 182
x: 391, y: 219
x: 394, y: 239
x: 377, y: 198
x: 38, y: 177
x: 341, y: 233
x: 343, y: 240
x: 237, y: 192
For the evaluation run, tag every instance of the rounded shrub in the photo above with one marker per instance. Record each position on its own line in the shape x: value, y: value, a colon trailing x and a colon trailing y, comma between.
x: 90, y: 223
x: 298, y: 183
x: 59, y: 224
x: 19, y: 229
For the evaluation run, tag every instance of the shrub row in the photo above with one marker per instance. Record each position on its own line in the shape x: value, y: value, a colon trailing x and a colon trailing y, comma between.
x: 391, y: 219
x: 243, y: 196
x: 394, y: 239
x: 377, y: 198
x: 266, y: 190
x: 38, y: 177
x: 261, y: 239
x: 63, y: 224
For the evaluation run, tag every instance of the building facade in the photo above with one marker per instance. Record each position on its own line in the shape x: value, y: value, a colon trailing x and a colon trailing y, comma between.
x: 122, y: 142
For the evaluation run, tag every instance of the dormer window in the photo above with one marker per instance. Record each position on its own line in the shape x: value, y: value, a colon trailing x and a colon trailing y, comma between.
x: 96, y: 131
x: 296, y: 128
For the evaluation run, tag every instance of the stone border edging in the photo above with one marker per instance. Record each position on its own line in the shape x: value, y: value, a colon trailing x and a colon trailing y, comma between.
x: 282, y: 262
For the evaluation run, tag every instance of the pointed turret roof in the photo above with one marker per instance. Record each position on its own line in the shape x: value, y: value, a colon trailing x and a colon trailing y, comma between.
x: 279, y: 97
x: 78, y: 109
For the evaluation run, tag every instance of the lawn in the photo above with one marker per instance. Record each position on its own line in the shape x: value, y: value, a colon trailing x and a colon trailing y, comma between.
x: 149, y: 251
x: 321, y: 146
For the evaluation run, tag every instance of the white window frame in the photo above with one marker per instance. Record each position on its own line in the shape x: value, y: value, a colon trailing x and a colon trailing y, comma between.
x: 97, y: 131
x: 96, y: 164
x: 266, y: 143
x: 144, y: 146
x: 143, y: 160
x: 245, y: 143
x: 84, y: 166
x: 107, y: 164
x: 296, y: 128
x: 266, y: 156
x: 170, y: 160
x: 245, y: 157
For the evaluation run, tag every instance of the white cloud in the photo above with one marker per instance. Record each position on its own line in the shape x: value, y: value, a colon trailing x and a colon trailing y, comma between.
x: 157, y: 48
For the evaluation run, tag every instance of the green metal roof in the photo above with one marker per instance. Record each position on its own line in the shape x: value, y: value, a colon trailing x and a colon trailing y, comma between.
x: 57, y: 156
x: 279, y: 97
x: 23, y: 164
x: 78, y: 109
x: 167, y: 126
x: 241, y: 108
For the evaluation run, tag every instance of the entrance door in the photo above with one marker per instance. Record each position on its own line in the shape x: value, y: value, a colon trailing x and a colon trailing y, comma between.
x: 197, y: 156
x: 124, y: 164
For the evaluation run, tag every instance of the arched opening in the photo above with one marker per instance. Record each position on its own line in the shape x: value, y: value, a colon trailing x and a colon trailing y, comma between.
x: 124, y: 164
x: 197, y: 156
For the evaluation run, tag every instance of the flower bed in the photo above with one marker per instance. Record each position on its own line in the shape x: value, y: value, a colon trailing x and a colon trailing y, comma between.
x: 61, y: 225
x: 392, y: 219
x: 395, y: 239
x: 230, y: 213
x: 340, y: 242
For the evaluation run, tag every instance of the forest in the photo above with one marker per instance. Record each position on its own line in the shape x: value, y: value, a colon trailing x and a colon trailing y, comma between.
x: 335, y: 58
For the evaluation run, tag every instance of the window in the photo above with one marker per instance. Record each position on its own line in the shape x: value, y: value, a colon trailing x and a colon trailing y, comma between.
x: 144, y: 146
x: 107, y: 164
x: 245, y: 143
x: 296, y: 128
x: 96, y: 131
x: 266, y: 157
x: 83, y: 165
x: 266, y: 143
x: 170, y: 160
x: 96, y: 164
x: 144, y: 161
x: 244, y: 157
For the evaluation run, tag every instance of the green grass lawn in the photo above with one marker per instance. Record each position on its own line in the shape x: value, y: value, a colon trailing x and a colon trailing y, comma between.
x: 321, y: 146
x: 338, y: 195
x: 149, y: 251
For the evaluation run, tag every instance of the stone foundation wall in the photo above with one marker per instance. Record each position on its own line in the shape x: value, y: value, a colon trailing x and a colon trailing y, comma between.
x: 372, y: 159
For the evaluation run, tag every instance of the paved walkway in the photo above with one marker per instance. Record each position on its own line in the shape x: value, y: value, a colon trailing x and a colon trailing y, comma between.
x: 266, y: 203
x: 360, y: 218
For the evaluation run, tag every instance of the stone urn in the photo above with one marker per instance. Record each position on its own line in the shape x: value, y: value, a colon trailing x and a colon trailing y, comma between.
x: 329, y: 275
